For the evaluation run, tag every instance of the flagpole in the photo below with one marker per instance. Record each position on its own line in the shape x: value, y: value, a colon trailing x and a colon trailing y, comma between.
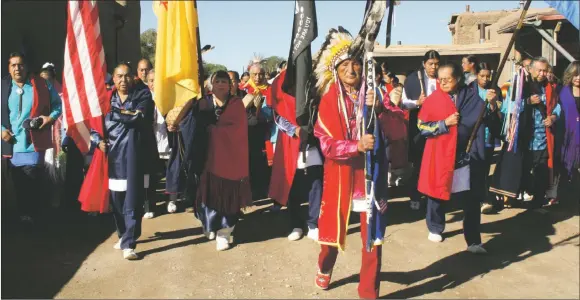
x: 495, y: 79
x: 200, y: 70
x: 390, y: 22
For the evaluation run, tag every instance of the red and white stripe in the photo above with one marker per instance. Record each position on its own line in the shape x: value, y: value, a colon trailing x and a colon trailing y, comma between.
x: 84, y: 93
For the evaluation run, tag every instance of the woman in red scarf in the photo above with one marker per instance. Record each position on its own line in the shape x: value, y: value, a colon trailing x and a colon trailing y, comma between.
x: 221, y: 147
x: 447, y: 119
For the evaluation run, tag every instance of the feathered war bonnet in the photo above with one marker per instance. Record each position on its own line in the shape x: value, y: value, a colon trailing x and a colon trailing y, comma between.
x: 340, y: 45
x: 333, y: 51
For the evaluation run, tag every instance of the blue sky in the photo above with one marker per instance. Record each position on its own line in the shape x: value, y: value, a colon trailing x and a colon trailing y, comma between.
x: 238, y: 29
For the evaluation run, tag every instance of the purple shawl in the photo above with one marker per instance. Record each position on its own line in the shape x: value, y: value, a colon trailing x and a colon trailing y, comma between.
x: 571, y: 145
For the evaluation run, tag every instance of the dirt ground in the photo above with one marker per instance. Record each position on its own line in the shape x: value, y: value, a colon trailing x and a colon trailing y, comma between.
x: 532, y: 255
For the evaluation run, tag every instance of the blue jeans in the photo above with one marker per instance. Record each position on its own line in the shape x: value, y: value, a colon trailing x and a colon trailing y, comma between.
x: 306, y: 186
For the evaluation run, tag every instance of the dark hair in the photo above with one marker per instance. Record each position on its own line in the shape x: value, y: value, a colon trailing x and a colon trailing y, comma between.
x: 482, y: 66
x: 456, y: 71
x: 124, y: 64
x: 379, y: 71
x: 220, y: 74
x: 246, y: 74
x: 273, y: 74
x: 431, y: 54
x: 282, y: 64
x: 148, y: 62
x: 17, y: 54
x: 49, y: 69
x: 236, y: 74
x: 473, y: 60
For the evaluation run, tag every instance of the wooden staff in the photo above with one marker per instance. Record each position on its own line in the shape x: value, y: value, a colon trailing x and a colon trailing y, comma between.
x: 498, y: 72
x: 420, y: 76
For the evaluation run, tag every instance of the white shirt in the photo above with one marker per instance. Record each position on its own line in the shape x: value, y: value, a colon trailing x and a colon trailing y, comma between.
x: 161, y: 134
x: 312, y: 158
x: 412, y: 103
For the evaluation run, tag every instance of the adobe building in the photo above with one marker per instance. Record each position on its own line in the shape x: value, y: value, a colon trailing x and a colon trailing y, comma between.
x: 42, y: 40
x: 487, y: 34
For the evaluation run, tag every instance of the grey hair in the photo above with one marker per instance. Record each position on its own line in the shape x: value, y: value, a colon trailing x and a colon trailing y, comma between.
x: 571, y: 71
x: 542, y: 60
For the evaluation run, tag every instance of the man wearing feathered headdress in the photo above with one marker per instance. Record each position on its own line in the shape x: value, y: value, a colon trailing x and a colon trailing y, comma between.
x: 261, y: 133
x: 343, y: 141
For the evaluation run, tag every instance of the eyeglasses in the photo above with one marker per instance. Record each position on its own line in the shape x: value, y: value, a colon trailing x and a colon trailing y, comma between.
x: 446, y: 80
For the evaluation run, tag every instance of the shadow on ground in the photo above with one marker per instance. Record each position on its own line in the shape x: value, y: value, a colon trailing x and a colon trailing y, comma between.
x: 37, y: 262
x: 514, y: 240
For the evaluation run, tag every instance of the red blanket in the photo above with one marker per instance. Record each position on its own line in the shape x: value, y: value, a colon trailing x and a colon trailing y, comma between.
x: 551, y: 101
x: 436, y: 177
x: 287, y: 148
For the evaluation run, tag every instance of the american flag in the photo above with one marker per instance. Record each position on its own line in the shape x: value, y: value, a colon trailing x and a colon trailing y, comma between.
x: 84, y: 93
x: 85, y: 98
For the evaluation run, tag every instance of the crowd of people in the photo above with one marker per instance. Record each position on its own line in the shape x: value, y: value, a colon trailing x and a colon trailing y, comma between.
x: 241, y: 142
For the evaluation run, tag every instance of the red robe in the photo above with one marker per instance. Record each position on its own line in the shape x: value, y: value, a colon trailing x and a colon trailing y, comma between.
x: 287, y: 148
x: 438, y: 165
x: 339, y: 175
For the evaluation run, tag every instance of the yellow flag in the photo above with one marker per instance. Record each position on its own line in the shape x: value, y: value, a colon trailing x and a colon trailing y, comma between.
x: 176, y: 65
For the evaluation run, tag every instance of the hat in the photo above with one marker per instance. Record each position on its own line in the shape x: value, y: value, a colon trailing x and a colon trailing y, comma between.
x: 334, y: 50
x: 47, y: 65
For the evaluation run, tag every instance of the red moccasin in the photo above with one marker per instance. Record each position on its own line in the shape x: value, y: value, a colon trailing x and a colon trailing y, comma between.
x: 322, y: 280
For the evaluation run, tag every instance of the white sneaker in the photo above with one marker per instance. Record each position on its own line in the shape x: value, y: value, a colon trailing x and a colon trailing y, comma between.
x: 527, y: 197
x: 117, y: 245
x: 415, y: 205
x: 210, y: 235
x: 130, y: 254
x: 224, y: 238
x: 171, y: 207
x: 486, y: 208
x: 296, y: 234
x: 313, y: 234
x: 149, y: 215
x: 222, y: 243
x: 433, y: 237
x: 477, y: 249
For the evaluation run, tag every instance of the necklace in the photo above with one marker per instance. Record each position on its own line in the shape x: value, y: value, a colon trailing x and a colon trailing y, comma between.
x: 353, y: 96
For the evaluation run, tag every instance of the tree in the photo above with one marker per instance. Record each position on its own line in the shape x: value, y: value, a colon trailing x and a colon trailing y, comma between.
x: 209, y: 68
x: 148, y: 44
x: 271, y: 63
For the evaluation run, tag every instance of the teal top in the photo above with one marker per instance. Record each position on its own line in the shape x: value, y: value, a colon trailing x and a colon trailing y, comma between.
x: 18, y: 114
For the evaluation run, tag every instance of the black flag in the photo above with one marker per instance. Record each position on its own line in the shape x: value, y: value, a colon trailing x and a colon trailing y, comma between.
x: 299, y: 70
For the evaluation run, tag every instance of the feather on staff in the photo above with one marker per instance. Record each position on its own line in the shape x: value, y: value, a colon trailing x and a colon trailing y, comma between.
x: 364, y: 44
